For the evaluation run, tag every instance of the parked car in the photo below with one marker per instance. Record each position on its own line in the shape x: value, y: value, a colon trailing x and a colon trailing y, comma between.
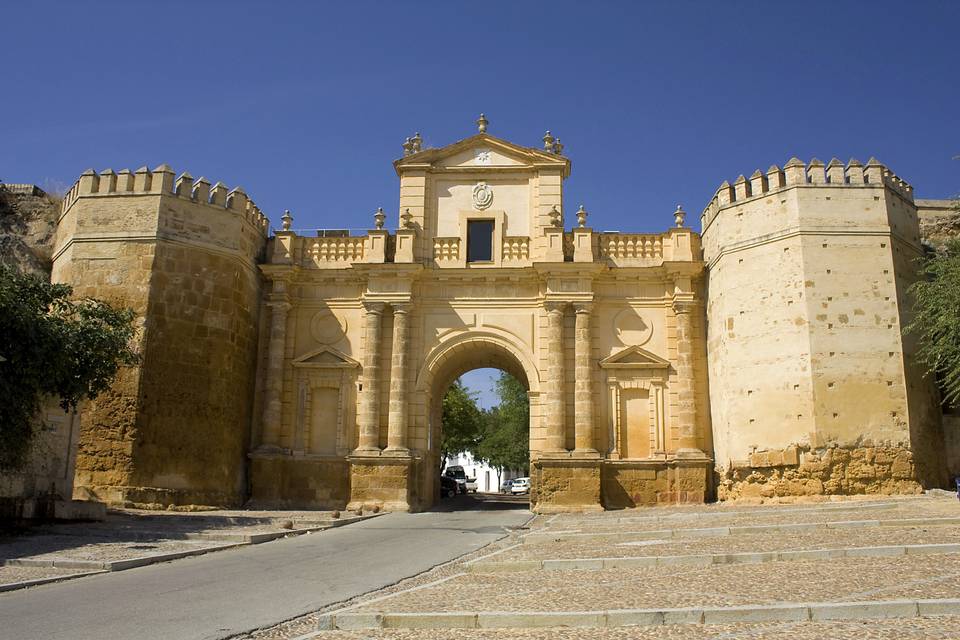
x: 448, y: 487
x: 457, y: 473
x: 506, y: 486
x: 471, y: 485
x: 520, y: 485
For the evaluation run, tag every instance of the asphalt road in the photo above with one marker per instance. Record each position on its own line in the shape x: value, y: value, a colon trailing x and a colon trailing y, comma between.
x: 229, y: 592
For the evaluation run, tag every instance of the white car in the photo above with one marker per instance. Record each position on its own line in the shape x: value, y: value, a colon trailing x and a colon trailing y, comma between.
x: 520, y: 485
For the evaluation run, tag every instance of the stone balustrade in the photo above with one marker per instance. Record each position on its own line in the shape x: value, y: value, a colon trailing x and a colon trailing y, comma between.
x: 631, y: 248
x: 446, y: 249
x: 515, y: 248
x: 344, y: 249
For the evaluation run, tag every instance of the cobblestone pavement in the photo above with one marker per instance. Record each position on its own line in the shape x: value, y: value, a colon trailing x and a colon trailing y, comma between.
x: 130, y: 533
x: 847, y: 579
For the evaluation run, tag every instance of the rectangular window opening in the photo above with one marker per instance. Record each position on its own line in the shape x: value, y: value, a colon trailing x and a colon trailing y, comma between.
x: 480, y: 241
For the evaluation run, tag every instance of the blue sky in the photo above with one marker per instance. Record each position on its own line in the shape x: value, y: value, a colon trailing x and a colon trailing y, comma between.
x: 306, y: 104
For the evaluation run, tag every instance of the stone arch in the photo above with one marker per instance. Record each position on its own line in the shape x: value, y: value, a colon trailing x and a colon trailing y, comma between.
x: 452, y: 358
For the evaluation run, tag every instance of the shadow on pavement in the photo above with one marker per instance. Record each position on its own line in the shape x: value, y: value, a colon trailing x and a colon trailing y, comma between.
x: 482, y: 502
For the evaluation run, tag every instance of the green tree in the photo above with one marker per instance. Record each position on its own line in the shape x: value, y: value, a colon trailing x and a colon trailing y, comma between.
x: 52, y: 346
x: 462, y: 421
x: 936, y: 321
x: 505, y: 442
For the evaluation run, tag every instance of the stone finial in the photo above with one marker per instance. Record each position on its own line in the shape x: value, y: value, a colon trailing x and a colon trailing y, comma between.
x: 417, y: 142
x: 548, y: 141
x: 581, y: 217
x: 379, y: 218
x: 482, y: 123
x: 555, y: 216
x: 678, y: 216
x: 406, y: 219
x: 286, y: 220
x: 558, y: 147
x: 407, y: 147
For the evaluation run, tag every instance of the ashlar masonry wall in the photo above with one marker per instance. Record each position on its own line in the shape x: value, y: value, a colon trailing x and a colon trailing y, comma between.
x: 813, y: 387
x: 182, y: 255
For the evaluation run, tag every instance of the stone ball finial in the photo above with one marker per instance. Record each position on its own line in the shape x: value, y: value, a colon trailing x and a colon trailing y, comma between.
x: 679, y: 215
x: 379, y: 218
x: 548, y: 141
x: 286, y: 220
x: 482, y: 123
x: 581, y: 217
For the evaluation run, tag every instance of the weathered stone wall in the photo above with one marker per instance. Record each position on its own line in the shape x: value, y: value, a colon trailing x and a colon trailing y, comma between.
x: 628, y: 484
x: 301, y: 483
x: 174, y: 429
x: 28, y: 219
x: 807, y: 301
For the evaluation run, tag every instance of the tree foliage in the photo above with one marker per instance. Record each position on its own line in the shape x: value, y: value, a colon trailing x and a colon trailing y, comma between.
x: 461, y: 421
x: 505, y: 443
x: 936, y: 322
x: 52, y: 346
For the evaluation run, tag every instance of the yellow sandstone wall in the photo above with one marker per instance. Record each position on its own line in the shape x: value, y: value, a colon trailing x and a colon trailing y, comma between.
x: 813, y: 388
x: 173, y: 430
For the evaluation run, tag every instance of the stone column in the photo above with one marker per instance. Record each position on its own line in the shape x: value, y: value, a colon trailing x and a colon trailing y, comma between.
x: 273, y: 385
x: 686, y: 382
x: 397, y: 428
x: 554, y: 415
x: 583, y: 390
x: 369, y: 411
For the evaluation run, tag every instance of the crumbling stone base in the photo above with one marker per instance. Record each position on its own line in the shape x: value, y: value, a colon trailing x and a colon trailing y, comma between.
x: 288, y: 482
x: 835, y: 470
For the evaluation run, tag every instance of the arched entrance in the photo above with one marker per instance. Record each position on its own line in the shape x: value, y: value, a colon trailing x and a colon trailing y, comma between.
x: 446, y: 363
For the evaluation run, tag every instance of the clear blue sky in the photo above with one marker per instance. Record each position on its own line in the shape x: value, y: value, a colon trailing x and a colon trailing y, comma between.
x: 306, y: 104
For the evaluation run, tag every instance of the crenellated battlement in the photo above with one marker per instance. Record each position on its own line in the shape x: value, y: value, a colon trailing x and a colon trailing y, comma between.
x: 814, y: 173
x: 163, y: 181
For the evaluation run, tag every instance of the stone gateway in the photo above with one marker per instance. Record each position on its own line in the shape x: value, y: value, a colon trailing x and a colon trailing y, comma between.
x: 762, y: 358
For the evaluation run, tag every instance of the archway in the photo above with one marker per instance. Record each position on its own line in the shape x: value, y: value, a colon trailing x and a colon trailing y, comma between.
x: 450, y: 360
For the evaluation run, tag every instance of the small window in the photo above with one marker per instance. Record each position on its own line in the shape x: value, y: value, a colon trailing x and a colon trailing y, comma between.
x: 480, y: 241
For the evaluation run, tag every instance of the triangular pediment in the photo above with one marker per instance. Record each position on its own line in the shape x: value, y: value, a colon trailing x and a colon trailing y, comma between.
x: 483, y: 151
x: 634, y: 358
x: 325, y: 358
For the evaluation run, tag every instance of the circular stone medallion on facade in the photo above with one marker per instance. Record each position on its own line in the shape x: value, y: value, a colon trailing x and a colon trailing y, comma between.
x: 631, y: 328
x: 482, y: 196
x: 327, y: 328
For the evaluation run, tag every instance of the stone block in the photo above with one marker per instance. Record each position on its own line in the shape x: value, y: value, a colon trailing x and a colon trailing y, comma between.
x: 352, y: 621
x: 433, y: 620
x: 530, y: 620
x: 634, y: 617
x: 861, y: 610
x: 940, y: 607
x: 756, y: 613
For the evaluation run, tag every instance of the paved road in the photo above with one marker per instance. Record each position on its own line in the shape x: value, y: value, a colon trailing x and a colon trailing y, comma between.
x: 229, y: 592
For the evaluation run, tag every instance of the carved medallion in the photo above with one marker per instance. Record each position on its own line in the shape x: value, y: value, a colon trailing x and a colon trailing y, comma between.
x: 482, y: 156
x: 327, y: 328
x: 482, y: 196
x: 631, y: 328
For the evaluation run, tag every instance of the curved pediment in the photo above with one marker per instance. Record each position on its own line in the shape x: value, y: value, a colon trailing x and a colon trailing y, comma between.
x: 634, y: 358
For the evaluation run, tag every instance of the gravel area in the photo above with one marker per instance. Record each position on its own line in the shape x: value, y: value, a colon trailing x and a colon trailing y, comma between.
x: 832, y: 539
x: 931, y: 628
x: 726, y: 585
x: 9, y: 575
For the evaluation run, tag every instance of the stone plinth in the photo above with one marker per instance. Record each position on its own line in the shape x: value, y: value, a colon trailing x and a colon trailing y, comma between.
x: 565, y: 484
x: 383, y: 482
x: 634, y: 483
x: 299, y: 482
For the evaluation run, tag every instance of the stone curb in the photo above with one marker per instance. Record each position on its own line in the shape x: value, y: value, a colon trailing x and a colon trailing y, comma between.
x: 710, y: 532
x: 23, y: 584
x: 785, y: 612
x: 96, y: 567
x: 867, y: 506
x: 573, y: 564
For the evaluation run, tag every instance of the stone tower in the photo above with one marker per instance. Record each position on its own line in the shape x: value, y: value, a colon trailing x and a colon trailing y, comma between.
x: 183, y: 255
x: 813, y: 387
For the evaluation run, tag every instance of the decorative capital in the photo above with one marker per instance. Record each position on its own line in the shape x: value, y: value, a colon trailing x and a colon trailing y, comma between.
x: 581, y: 217
x: 286, y: 220
x: 482, y: 123
x: 684, y: 306
x: 374, y: 307
x: 401, y: 307
x: 583, y: 307
x: 678, y: 216
x: 548, y: 141
x: 406, y: 219
x: 555, y: 306
x: 379, y: 218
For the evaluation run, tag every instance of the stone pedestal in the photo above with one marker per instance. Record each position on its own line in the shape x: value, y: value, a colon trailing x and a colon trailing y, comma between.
x: 636, y: 483
x: 565, y: 484
x: 384, y: 482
